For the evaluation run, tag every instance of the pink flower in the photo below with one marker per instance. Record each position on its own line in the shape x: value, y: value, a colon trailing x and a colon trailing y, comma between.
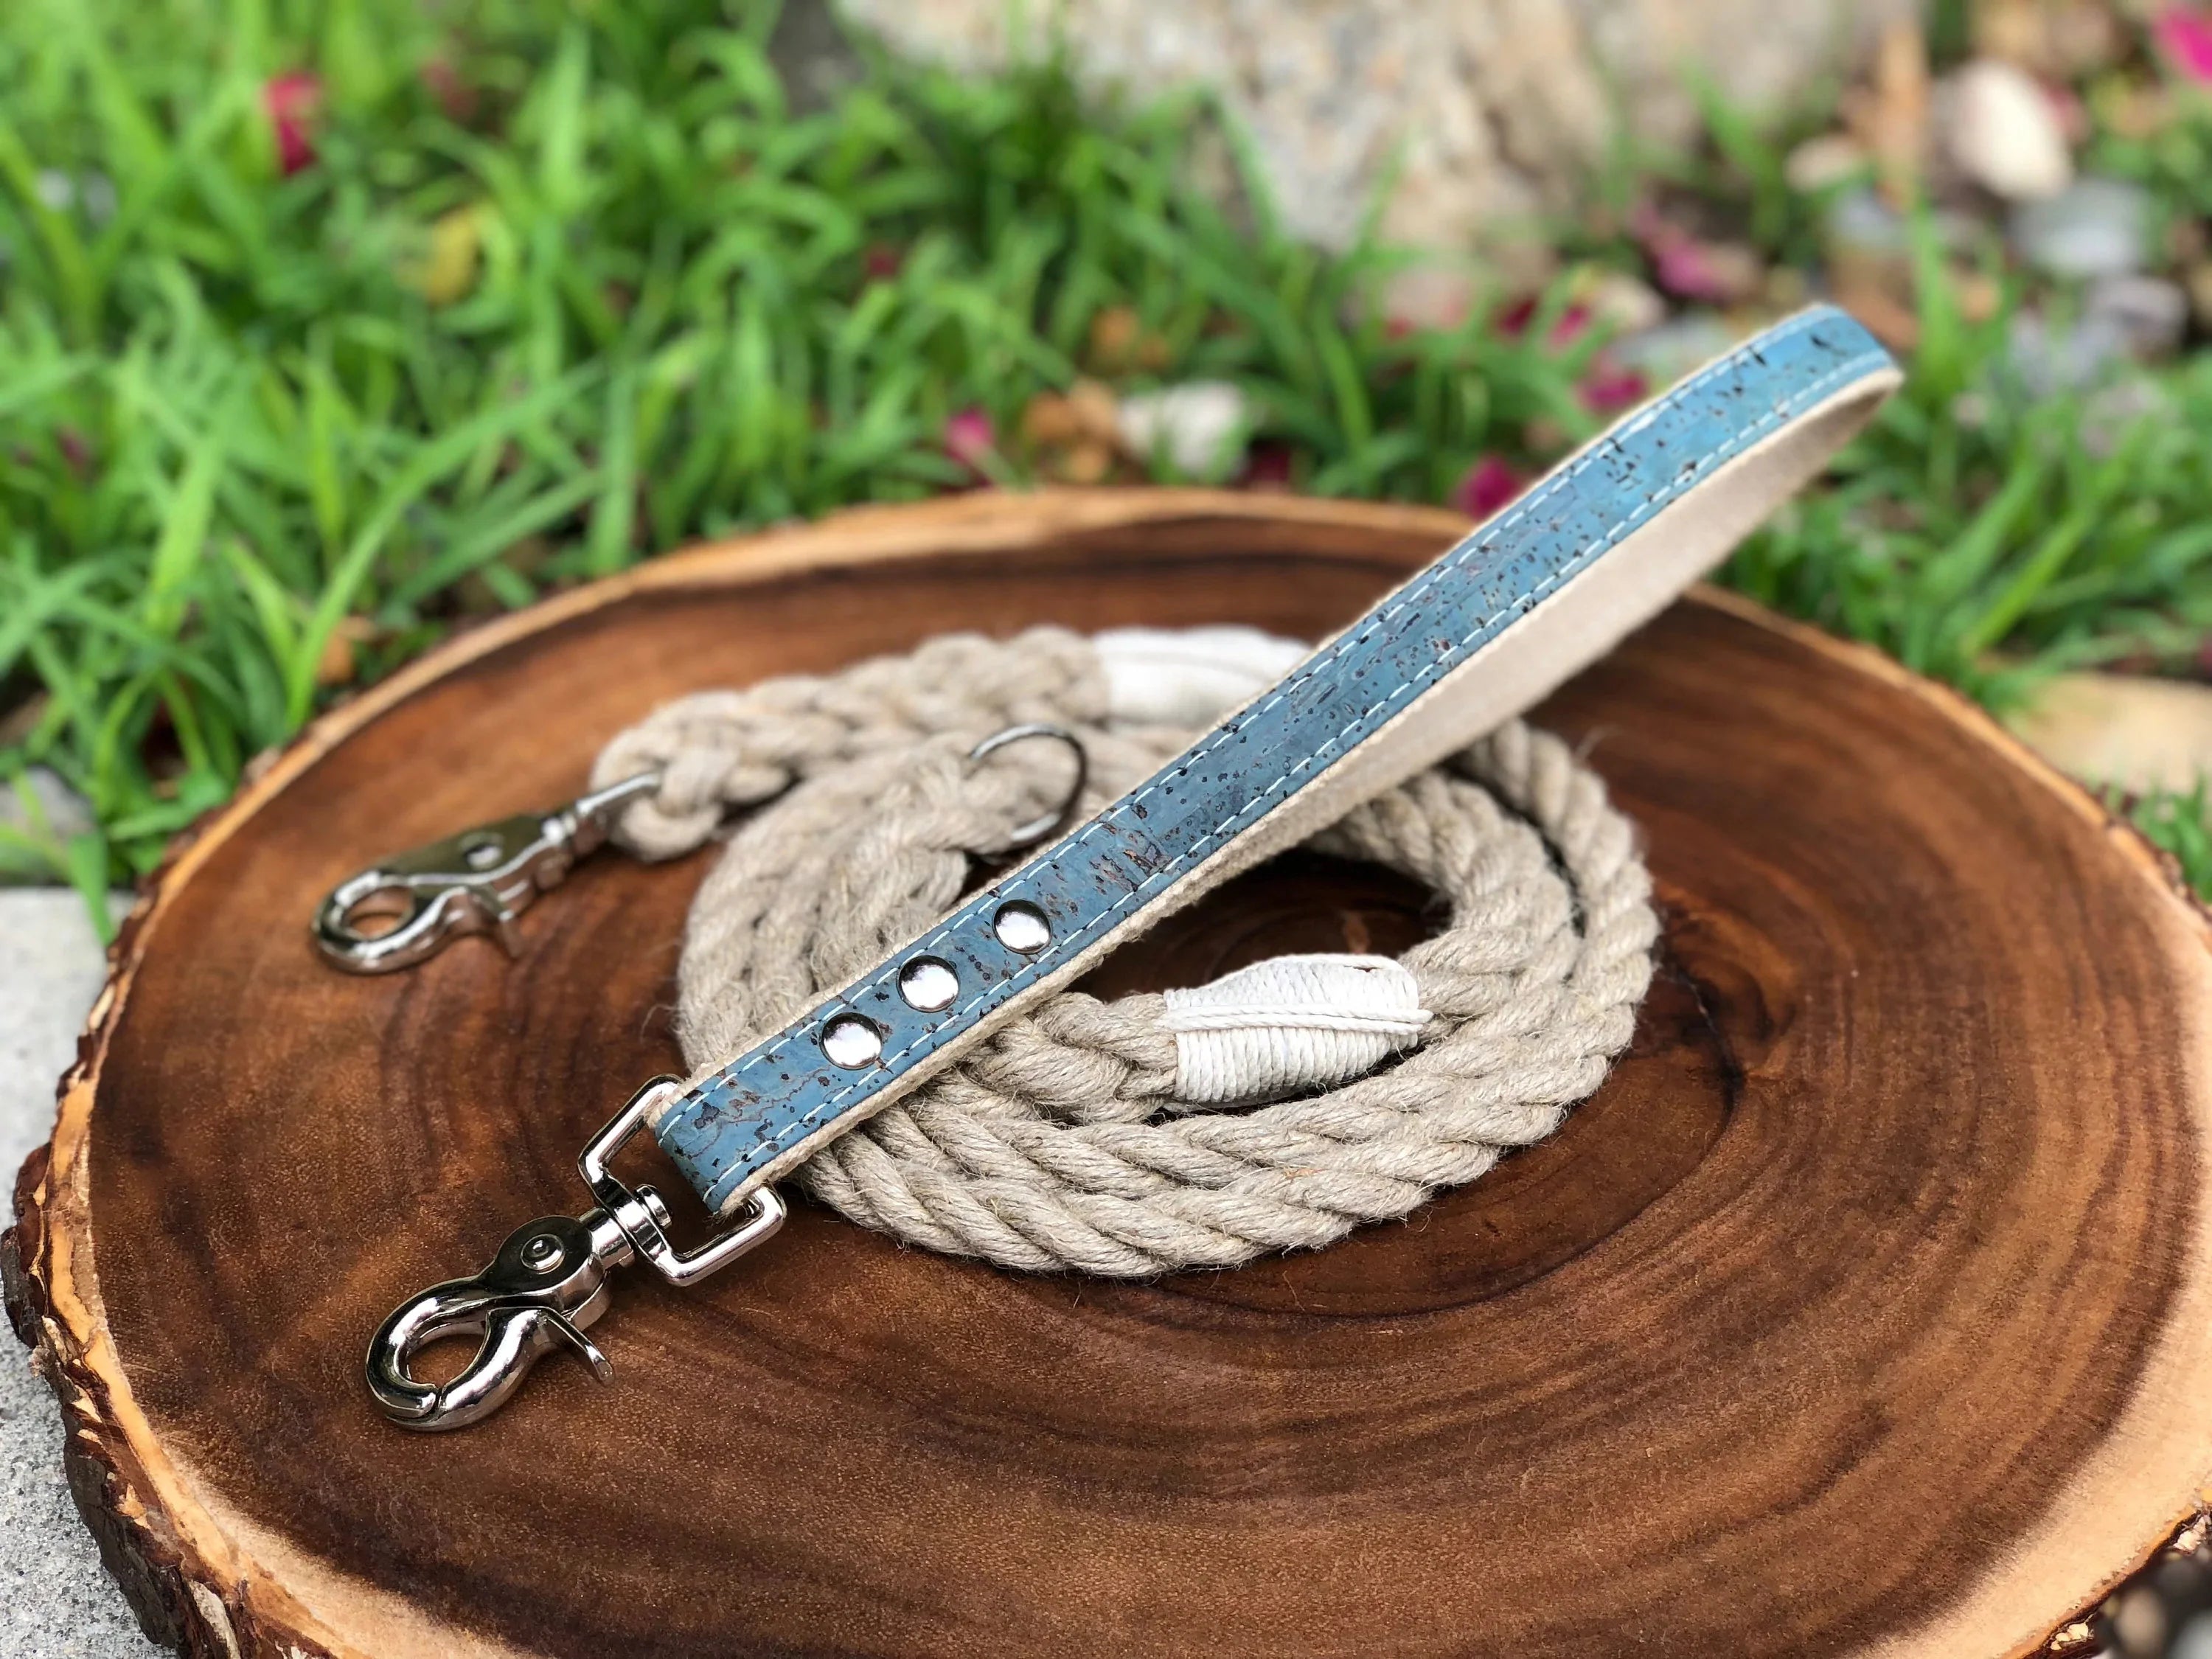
x: 971, y: 439
x: 881, y: 261
x: 293, y: 100
x: 1513, y: 322
x: 1719, y: 273
x: 1683, y: 269
x: 1268, y: 467
x: 455, y: 95
x: 1487, y: 486
x: 75, y: 450
x: 2186, y: 35
x: 1607, y: 390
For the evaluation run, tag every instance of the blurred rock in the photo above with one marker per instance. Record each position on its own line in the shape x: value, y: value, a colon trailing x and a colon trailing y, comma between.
x: 1665, y: 354
x: 50, y: 816
x: 2113, y: 410
x: 1829, y: 159
x: 1199, y: 427
x: 1086, y: 463
x: 1492, y: 113
x: 1072, y: 438
x: 2150, y: 313
x: 56, y: 1603
x: 1087, y: 412
x: 2124, y: 319
x: 1620, y: 303
x: 2193, y: 1639
x: 2131, y: 732
x: 1429, y: 295
x: 2096, y: 228
x: 2182, y: 1576
x: 2004, y: 133
x: 1860, y: 222
x: 2139, y: 1619
x: 2048, y: 359
x: 811, y: 53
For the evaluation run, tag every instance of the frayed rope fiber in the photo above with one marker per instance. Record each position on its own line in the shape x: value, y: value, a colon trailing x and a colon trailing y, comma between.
x: 1123, y: 1138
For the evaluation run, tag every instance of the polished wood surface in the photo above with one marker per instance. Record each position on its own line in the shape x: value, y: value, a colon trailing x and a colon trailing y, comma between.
x: 1865, y: 1310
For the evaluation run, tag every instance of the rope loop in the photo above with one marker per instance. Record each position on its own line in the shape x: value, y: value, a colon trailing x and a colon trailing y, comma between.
x: 1278, y: 1108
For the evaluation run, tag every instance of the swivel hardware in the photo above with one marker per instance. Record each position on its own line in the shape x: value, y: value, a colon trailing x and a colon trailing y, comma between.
x: 546, y: 1285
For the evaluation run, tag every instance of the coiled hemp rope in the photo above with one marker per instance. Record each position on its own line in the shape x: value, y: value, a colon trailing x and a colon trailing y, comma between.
x: 1065, y: 1141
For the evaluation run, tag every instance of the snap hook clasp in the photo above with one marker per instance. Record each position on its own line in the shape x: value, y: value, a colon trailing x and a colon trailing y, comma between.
x: 478, y: 881
x: 545, y: 1288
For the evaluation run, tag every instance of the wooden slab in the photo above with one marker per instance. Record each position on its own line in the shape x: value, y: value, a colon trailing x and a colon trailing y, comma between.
x: 1866, y: 1310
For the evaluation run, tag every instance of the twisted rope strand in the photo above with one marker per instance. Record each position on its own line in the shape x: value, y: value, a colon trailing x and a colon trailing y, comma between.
x: 1060, y: 1143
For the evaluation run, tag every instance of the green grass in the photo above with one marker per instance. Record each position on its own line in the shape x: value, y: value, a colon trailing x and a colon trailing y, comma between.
x: 2180, y: 823
x: 234, y: 430
x: 1989, y: 539
x: 228, y: 425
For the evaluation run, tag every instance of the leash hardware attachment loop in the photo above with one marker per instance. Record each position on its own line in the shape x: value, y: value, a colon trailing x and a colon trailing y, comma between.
x: 476, y: 882
x: 546, y: 1285
x: 1043, y: 828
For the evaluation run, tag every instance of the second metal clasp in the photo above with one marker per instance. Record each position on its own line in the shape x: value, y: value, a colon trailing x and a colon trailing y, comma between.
x: 402, y: 909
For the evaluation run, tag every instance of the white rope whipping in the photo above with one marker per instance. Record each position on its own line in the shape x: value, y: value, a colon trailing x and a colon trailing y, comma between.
x: 1078, y: 1136
x: 1288, y: 1023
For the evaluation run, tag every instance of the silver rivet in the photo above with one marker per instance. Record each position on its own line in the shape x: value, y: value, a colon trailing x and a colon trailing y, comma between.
x: 1022, y: 927
x: 928, y: 984
x: 852, y: 1042
x: 541, y: 1252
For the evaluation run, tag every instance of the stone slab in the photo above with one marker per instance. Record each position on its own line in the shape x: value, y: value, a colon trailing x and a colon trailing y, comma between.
x: 56, y: 1600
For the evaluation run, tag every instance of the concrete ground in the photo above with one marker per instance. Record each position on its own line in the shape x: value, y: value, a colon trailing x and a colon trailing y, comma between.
x: 56, y: 1600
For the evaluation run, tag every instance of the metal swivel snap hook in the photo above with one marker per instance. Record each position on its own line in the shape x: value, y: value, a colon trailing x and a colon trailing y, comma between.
x: 478, y: 881
x: 546, y: 1285
x: 548, y: 1282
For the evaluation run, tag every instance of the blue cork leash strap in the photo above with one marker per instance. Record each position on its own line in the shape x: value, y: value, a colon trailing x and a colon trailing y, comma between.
x: 1596, y: 548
